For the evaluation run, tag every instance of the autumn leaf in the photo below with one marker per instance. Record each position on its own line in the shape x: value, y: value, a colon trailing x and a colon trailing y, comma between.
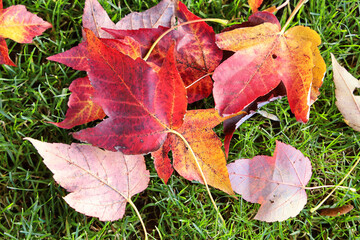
x: 163, y: 14
x: 347, y: 102
x: 81, y: 107
x: 196, y: 52
x: 19, y: 25
x: 195, y: 139
x: 141, y: 104
x: 206, y: 146
x: 255, y: 4
x: 277, y: 182
x: 100, y: 182
x: 264, y: 57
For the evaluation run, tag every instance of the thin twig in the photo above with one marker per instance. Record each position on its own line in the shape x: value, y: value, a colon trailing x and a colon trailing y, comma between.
x: 297, y: 8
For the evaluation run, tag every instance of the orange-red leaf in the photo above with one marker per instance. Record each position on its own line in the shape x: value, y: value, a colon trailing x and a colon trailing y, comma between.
x: 255, y: 4
x: 198, y: 132
x: 100, y: 182
x: 265, y: 57
x: 20, y: 25
x: 276, y: 182
x: 142, y: 105
x: 81, y: 107
x: 4, y: 53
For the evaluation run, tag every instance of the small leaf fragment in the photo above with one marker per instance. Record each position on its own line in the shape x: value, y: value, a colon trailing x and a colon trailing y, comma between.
x: 162, y: 161
x: 100, y: 182
x: 255, y: 4
x: 4, y: 53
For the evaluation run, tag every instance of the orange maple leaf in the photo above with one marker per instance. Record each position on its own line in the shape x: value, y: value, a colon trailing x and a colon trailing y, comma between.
x: 19, y: 25
x: 265, y: 56
x: 254, y: 4
x: 196, y: 138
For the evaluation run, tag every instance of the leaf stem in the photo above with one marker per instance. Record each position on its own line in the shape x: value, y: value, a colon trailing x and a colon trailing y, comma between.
x: 336, y: 187
x: 217, y: 20
x: 139, y: 216
x: 201, y: 172
x: 282, y: 5
x: 198, y: 80
x: 297, y: 8
x: 329, y: 186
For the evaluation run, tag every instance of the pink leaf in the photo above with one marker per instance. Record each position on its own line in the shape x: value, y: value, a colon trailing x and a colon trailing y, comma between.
x: 163, y: 14
x: 100, y: 182
x: 277, y: 182
x: 95, y: 17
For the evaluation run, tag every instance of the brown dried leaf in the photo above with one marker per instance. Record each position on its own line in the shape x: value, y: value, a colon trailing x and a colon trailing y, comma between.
x: 334, y: 212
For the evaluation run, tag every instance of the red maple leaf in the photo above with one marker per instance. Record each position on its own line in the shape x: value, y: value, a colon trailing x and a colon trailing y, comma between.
x: 142, y: 104
x: 196, y: 52
x: 95, y: 18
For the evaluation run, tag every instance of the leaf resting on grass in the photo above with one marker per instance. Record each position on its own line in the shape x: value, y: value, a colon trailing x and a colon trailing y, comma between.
x: 277, y: 182
x: 101, y: 182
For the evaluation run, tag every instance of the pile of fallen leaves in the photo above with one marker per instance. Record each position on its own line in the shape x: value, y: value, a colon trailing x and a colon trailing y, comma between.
x: 142, y: 73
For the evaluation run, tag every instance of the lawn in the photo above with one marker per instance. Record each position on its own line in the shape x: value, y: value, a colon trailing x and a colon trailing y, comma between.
x: 36, y: 92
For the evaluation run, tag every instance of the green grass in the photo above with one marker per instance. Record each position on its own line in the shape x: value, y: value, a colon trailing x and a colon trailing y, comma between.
x: 31, y: 203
